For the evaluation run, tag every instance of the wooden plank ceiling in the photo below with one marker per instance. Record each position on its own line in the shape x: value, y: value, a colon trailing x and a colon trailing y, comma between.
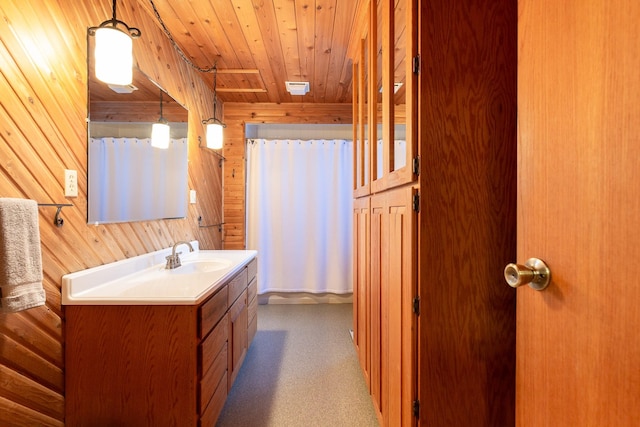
x: 257, y: 45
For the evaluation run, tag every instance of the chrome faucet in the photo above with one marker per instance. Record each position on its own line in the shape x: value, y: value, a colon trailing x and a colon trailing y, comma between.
x: 173, y: 260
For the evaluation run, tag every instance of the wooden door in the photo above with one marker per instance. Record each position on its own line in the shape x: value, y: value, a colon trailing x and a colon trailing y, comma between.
x: 393, y: 322
x: 393, y: 45
x: 378, y: 256
x: 578, y: 346
x: 361, y: 313
x: 361, y: 81
x: 399, y: 290
x: 238, y: 316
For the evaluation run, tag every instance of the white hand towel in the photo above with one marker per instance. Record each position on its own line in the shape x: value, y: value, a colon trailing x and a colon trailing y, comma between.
x: 20, y: 256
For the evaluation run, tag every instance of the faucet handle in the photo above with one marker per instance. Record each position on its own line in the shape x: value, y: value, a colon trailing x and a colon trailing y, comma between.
x: 173, y: 261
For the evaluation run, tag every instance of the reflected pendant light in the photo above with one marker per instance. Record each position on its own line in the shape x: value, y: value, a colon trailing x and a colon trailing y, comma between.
x: 160, y: 131
x: 114, y: 50
x: 214, y: 126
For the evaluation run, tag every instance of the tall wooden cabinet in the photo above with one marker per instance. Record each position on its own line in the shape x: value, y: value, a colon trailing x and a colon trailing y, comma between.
x: 434, y: 210
x: 385, y: 212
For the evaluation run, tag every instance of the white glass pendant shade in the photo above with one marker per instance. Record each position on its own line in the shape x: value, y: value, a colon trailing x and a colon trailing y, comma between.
x: 113, y: 56
x: 160, y: 135
x: 214, y: 136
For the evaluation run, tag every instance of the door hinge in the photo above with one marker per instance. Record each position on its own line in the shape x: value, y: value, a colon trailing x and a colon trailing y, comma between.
x: 416, y: 64
x: 416, y: 165
x: 416, y: 408
x: 416, y: 305
x: 416, y: 202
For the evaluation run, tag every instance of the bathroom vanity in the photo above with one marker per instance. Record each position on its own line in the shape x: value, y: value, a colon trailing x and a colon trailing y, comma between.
x: 169, y: 360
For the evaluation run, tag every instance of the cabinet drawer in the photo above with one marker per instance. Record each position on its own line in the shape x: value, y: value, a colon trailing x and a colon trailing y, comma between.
x: 252, y: 290
x: 237, y: 307
x: 213, y: 344
x: 210, y: 414
x: 212, y: 310
x: 236, y: 286
x: 213, y: 377
x: 252, y: 269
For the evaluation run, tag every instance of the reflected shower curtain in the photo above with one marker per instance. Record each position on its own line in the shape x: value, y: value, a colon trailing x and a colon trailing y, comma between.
x: 129, y: 180
x: 299, y: 214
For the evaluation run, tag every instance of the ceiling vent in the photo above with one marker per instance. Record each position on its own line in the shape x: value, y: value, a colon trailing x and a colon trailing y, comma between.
x: 123, y: 88
x: 297, y: 88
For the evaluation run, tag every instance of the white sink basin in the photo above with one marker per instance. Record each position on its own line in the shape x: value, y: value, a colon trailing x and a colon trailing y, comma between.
x: 144, y: 280
x: 199, y: 266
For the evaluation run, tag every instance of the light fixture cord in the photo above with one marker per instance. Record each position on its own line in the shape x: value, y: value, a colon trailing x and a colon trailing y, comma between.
x: 175, y: 45
x: 215, y: 98
x: 114, y: 11
x: 161, y: 105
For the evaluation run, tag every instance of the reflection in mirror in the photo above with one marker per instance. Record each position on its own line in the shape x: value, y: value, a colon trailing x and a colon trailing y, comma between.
x: 129, y: 180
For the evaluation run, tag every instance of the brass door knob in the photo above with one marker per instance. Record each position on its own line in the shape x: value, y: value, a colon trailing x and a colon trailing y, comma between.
x: 534, y: 272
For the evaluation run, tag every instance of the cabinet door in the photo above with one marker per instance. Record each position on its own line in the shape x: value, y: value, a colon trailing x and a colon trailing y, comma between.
x: 378, y: 258
x: 394, y: 150
x: 362, y: 152
x: 361, y: 282
x: 393, y: 321
x: 237, y: 336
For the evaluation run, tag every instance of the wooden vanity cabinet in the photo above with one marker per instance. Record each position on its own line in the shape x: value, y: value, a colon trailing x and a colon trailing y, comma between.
x: 155, y: 365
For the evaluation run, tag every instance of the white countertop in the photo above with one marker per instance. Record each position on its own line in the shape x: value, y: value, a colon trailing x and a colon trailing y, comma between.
x: 144, y: 280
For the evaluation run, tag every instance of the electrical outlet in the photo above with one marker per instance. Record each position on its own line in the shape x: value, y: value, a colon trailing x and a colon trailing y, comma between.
x: 70, y: 183
x: 192, y: 196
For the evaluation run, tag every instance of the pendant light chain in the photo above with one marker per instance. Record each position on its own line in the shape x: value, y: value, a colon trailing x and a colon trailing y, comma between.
x: 215, y: 98
x: 113, y: 8
x: 214, y: 119
x: 175, y: 45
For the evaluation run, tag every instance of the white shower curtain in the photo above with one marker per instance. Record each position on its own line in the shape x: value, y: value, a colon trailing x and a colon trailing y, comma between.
x: 299, y: 214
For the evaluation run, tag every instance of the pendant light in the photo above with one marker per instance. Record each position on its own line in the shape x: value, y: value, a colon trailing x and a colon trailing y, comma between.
x: 160, y: 131
x: 114, y: 50
x: 214, y: 126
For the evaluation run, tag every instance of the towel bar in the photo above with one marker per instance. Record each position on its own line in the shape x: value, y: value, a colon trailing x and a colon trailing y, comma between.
x: 209, y: 225
x: 57, y: 221
x: 222, y: 158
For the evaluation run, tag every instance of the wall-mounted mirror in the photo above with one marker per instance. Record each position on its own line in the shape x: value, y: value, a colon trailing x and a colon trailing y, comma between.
x: 129, y: 179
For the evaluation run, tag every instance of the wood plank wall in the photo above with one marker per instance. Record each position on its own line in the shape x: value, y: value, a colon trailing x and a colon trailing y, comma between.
x: 43, y: 95
x: 237, y: 116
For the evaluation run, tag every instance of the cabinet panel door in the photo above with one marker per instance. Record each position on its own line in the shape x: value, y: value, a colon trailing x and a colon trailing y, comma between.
x: 399, y: 290
x: 393, y: 322
x: 237, y: 336
x: 361, y: 299
x: 378, y: 259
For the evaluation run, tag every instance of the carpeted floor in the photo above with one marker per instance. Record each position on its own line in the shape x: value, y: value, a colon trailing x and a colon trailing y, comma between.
x: 301, y: 370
